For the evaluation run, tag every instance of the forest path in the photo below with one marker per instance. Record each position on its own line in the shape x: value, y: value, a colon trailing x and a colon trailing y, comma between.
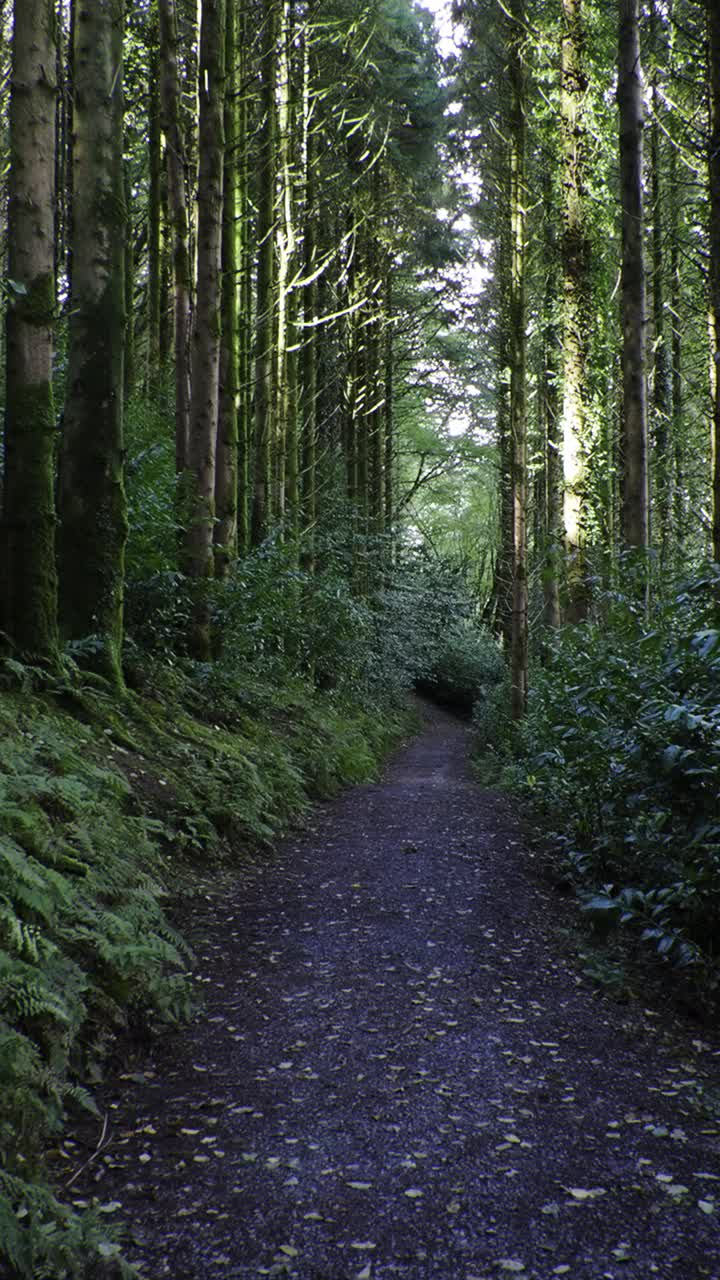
x: 400, y: 1076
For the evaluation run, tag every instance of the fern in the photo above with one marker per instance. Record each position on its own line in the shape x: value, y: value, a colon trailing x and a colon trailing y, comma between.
x: 43, y: 1239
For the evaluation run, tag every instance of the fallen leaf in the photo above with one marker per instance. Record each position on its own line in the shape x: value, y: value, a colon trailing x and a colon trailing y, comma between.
x: 581, y: 1193
x: 413, y: 1193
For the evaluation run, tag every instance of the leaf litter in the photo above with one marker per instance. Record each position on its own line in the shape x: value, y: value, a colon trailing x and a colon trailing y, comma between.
x: 358, y: 1052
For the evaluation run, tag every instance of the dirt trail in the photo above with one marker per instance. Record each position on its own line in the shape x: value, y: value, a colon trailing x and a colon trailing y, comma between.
x: 400, y: 1075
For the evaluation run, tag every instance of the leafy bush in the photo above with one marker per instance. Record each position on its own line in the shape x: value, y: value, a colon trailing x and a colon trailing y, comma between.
x: 466, y: 664
x: 621, y: 753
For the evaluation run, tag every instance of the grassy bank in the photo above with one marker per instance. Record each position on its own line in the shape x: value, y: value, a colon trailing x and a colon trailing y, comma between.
x: 105, y: 801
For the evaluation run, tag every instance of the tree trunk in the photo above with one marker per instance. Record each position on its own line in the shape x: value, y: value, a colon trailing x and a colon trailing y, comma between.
x: 29, y: 579
x: 549, y: 399
x: 199, y: 484
x: 265, y: 289
x: 662, y: 395
x: 634, y: 320
x: 309, y: 353
x: 179, y: 221
x: 245, y: 254
x: 154, y: 244
x: 389, y: 379
x: 518, y: 360
x: 129, y: 358
x: 576, y: 308
x: 226, y: 479
x: 93, y: 521
x: 714, y: 172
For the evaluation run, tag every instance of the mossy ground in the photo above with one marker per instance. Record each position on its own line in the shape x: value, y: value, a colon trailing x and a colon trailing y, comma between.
x: 108, y: 802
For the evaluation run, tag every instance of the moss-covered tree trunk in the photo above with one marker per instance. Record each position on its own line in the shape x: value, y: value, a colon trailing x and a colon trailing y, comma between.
x: 226, y: 478
x: 245, y: 284
x: 154, y: 242
x: 179, y: 221
x: 129, y: 370
x: 309, y: 354
x: 388, y: 409
x: 518, y: 357
x: 661, y: 380
x: 93, y: 520
x: 199, y: 482
x: 634, y: 317
x: 28, y: 526
x: 714, y: 170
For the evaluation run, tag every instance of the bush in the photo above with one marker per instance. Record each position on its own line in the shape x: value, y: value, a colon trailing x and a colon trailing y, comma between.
x: 465, y: 665
x: 620, y: 752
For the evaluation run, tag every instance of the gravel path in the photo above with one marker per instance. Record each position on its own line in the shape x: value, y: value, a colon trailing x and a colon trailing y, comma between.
x: 400, y: 1076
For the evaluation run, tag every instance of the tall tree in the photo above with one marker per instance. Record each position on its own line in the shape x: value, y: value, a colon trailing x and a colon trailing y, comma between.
x: 226, y: 477
x: 576, y: 299
x: 28, y: 525
x: 518, y: 353
x: 170, y: 106
x: 635, y: 498
x: 93, y: 521
x: 264, y: 417
x: 199, y: 480
x: 714, y: 168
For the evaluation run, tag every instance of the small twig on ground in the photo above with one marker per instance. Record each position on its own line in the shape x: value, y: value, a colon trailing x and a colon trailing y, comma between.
x: 99, y: 1148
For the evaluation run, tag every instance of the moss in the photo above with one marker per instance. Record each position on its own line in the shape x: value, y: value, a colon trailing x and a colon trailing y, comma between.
x: 30, y: 591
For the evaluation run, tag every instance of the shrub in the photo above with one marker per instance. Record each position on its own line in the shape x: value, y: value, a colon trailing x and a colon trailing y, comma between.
x: 620, y: 752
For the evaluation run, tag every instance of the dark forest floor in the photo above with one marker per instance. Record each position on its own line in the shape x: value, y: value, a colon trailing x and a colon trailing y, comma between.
x: 401, y: 1072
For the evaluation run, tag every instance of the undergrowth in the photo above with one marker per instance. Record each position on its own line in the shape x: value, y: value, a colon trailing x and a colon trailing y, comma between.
x: 105, y: 797
x: 620, y: 757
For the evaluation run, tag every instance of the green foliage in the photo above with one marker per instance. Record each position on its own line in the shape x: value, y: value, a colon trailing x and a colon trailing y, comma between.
x: 84, y: 951
x: 621, y: 754
x: 43, y: 1239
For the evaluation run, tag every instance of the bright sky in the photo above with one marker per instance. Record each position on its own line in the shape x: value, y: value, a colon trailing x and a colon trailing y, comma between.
x: 475, y: 274
x: 447, y: 29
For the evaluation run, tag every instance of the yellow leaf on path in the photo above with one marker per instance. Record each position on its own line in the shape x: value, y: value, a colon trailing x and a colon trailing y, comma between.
x: 580, y: 1193
x: 413, y: 1193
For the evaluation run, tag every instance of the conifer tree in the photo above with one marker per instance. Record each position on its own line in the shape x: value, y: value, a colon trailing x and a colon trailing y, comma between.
x: 93, y: 520
x: 29, y: 606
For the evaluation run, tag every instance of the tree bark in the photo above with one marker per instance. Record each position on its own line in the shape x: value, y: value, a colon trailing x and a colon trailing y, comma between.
x: 226, y: 479
x: 199, y: 482
x: 714, y: 174
x: 93, y: 521
x: 661, y: 381
x: 154, y: 244
x: 550, y: 412
x: 29, y: 579
x: 576, y: 308
x: 265, y: 289
x: 179, y: 222
x: 634, y: 319
x: 518, y: 359
x: 245, y: 265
